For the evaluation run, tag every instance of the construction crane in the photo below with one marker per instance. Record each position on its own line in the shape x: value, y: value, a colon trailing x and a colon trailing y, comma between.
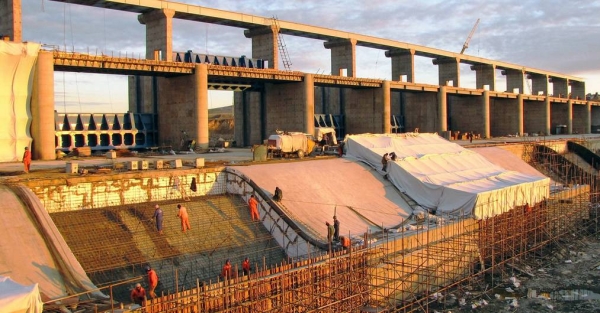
x: 466, y: 44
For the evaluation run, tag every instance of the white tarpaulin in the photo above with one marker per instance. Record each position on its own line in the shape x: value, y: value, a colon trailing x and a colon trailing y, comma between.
x: 446, y: 177
x: 290, y: 142
x: 320, y: 131
x: 16, y: 298
x: 17, y: 62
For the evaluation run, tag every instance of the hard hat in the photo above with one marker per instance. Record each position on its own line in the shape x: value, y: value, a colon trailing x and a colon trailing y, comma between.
x: 147, y: 268
x: 138, y: 285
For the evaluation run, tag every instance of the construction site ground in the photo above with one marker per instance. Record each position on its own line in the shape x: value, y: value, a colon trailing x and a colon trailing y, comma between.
x: 564, y: 280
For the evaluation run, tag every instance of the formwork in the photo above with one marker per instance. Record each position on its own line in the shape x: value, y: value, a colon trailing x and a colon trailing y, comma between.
x: 407, y: 270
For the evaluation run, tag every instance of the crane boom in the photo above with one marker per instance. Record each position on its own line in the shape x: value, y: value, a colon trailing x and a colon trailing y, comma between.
x: 466, y: 44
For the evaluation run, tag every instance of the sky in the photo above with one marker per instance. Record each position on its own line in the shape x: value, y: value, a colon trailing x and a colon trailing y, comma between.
x: 558, y: 36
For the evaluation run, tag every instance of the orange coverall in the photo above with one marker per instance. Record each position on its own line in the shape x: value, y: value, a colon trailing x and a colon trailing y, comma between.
x: 253, y: 203
x: 185, y: 221
x: 27, y: 160
x: 152, y: 283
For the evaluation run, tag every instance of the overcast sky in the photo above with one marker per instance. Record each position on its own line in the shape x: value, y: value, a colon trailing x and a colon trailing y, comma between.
x: 559, y: 36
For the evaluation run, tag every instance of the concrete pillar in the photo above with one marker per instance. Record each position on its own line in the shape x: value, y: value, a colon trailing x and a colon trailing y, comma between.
x: 343, y: 56
x: 403, y: 63
x: 42, y: 108
x: 442, y: 109
x: 485, y: 74
x: 448, y: 70
x: 309, y: 103
x: 10, y: 20
x: 486, y: 113
x: 560, y: 87
x: 514, y: 79
x: 548, y: 112
x: 159, y: 33
x: 539, y: 84
x: 570, y: 117
x: 588, y: 117
x: 201, y: 89
x: 520, y: 114
x: 387, y: 106
x: 577, y: 89
x: 265, y: 44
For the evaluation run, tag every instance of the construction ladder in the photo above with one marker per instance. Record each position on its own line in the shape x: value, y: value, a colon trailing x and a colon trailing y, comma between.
x: 285, y: 58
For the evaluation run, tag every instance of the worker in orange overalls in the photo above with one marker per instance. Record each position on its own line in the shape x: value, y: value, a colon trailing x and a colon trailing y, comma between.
x: 246, y: 266
x: 152, y: 281
x: 138, y: 295
x: 183, y: 215
x: 226, y: 273
x: 27, y: 159
x: 253, y: 204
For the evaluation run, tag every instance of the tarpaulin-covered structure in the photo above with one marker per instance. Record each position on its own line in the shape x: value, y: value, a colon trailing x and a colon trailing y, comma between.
x: 17, y: 61
x: 447, y: 178
x: 16, y: 298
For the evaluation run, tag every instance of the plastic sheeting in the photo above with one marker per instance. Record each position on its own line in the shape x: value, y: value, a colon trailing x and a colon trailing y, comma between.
x: 446, y: 177
x: 17, y: 62
x: 290, y: 142
x: 16, y: 298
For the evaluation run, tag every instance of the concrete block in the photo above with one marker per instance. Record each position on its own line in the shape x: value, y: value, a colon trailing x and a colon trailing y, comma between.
x: 176, y: 163
x: 111, y: 155
x: 143, y: 165
x: 159, y: 164
x: 72, y: 168
x: 199, y: 162
x: 132, y: 165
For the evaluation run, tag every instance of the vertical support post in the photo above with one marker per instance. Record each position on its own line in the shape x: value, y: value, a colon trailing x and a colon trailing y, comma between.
x: 570, y: 117
x: 588, y: 117
x: 386, y: 104
x: 42, y: 108
x: 548, y: 112
x: 486, y: 113
x: 201, y: 89
x: 520, y: 114
x: 442, y: 109
x: 309, y: 103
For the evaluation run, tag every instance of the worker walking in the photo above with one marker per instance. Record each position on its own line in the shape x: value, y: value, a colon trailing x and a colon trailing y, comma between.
x: 226, y: 272
x: 27, y: 159
x: 330, y: 232
x: 253, y: 204
x: 246, y: 267
x: 158, y: 218
x: 152, y: 281
x: 183, y: 215
x: 336, y: 228
x: 138, y: 295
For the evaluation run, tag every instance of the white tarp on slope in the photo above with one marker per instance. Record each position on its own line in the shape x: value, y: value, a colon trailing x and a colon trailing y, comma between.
x: 446, y: 177
x: 16, y: 298
x: 17, y: 62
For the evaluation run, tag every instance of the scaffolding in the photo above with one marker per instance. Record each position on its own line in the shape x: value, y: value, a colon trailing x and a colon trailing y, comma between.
x: 409, y: 270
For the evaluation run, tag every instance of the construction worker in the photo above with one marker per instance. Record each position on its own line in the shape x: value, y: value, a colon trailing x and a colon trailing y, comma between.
x: 27, y: 159
x: 183, y: 215
x: 246, y: 267
x: 138, y: 295
x: 226, y: 272
x: 152, y: 281
x: 158, y: 218
x: 336, y: 229
x: 253, y: 204
x: 330, y: 232
x: 345, y: 242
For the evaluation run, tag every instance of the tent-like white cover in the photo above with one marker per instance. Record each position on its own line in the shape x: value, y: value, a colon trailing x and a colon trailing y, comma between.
x: 17, y: 62
x: 446, y: 177
x: 16, y: 298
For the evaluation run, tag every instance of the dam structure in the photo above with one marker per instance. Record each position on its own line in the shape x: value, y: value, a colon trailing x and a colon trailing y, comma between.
x: 437, y: 217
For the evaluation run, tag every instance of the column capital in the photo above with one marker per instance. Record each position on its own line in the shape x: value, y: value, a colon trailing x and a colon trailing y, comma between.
x: 155, y: 15
x: 339, y: 43
x: 399, y: 52
x: 445, y: 60
x: 261, y: 30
